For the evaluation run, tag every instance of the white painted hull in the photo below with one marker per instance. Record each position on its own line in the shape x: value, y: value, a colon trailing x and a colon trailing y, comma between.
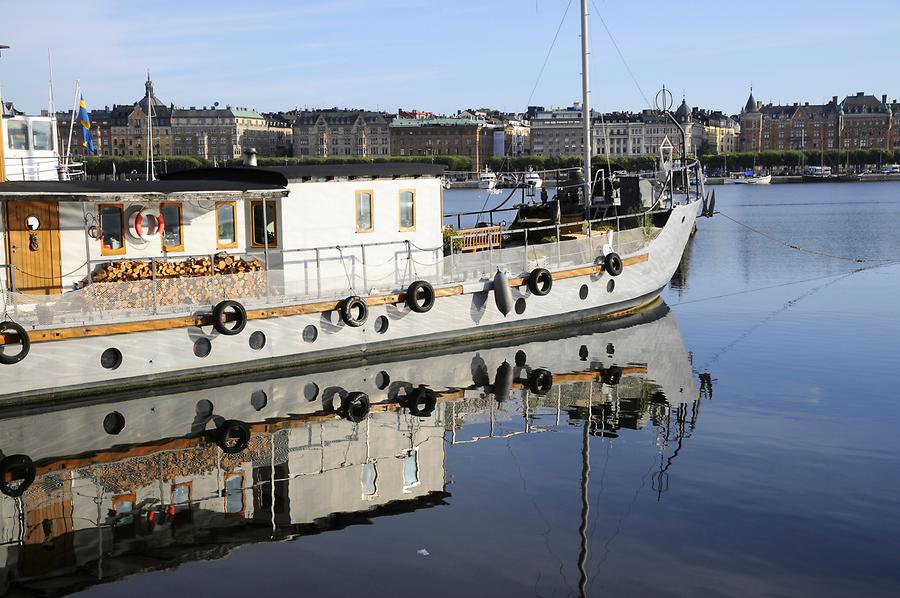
x: 71, y: 367
x: 760, y: 180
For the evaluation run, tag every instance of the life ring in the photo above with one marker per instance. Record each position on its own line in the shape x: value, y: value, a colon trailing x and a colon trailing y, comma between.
x: 611, y: 375
x: 612, y: 263
x: 354, y: 311
x: 540, y: 281
x: 355, y: 406
x: 233, y: 436
x: 219, y: 313
x: 24, y: 341
x: 13, y: 469
x: 540, y: 381
x: 144, y: 224
x: 421, y: 402
x: 412, y: 296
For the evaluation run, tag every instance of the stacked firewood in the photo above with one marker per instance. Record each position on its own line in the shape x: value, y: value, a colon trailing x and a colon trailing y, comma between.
x: 126, y: 284
x: 127, y: 270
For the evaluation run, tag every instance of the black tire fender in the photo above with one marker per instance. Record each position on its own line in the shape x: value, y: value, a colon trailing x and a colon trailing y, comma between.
x: 540, y: 381
x: 24, y: 342
x: 233, y: 436
x: 611, y: 375
x: 540, y: 281
x: 349, y: 306
x: 421, y: 402
x: 16, y: 468
x: 612, y: 263
x: 412, y: 296
x: 355, y: 406
x: 218, y: 315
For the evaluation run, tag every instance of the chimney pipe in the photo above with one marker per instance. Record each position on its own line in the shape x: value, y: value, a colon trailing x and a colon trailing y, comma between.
x: 884, y: 98
x: 250, y: 157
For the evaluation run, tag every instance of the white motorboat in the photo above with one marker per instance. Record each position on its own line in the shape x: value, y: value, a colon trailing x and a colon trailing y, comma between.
x: 487, y: 179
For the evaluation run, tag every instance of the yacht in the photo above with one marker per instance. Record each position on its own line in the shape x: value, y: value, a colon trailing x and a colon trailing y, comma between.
x: 487, y: 179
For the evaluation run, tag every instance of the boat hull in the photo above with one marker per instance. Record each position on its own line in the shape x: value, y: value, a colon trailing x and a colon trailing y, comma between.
x: 161, y: 358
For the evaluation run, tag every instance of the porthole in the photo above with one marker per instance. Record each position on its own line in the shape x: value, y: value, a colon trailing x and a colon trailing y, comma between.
x: 202, y: 347
x: 583, y: 353
x: 32, y: 223
x: 310, y: 334
x: 583, y: 292
x: 521, y: 359
x: 204, y: 408
x: 113, y: 423
x: 610, y: 349
x: 311, y: 391
x: 259, y: 400
x: 382, y: 380
x: 257, y: 340
x: 111, y: 358
x: 381, y: 324
x: 610, y: 286
x: 520, y: 305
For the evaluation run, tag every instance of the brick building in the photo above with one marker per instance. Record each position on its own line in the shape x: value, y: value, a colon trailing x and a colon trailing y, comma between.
x: 443, y: 136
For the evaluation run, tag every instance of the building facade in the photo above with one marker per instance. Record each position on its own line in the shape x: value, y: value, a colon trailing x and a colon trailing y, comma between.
x: 557, y: 132
x: 445, y: 136
x: 333, y: 133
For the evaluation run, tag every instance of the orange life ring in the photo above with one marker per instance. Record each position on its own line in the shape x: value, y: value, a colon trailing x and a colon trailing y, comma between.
x: 145, y: 224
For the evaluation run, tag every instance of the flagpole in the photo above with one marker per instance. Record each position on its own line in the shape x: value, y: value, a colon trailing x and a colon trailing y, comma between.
x: 72, y: 125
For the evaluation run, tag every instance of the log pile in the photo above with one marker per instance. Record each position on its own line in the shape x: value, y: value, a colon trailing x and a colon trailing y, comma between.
x: 126, y: 284
x: 127, y: 270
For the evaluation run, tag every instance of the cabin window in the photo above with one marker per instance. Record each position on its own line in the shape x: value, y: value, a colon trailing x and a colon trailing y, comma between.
x: 173, y: 235
x: 17, y: 133
x: 226, y: 235
x: 41, y: 135
x: 364, y: 221
x: 407, y: 209
x: 234, y: 493
x: 181, y: 500
x: 112, y: 223
x: 263, y: 224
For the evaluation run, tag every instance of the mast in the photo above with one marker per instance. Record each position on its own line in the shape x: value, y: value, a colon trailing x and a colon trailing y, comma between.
x: 586, y: 108
x: 2, y: 132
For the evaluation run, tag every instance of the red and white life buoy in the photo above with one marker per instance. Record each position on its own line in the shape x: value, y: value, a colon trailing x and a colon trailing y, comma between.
x: 145, y: 224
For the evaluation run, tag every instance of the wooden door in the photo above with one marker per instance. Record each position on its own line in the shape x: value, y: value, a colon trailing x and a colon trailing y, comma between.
x: 33, y: 246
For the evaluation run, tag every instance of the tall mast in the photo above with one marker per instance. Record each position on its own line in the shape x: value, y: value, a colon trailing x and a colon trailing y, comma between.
x: 586, y: 107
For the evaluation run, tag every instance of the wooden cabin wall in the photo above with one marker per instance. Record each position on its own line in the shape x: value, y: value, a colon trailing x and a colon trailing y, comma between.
x: 199, y: 235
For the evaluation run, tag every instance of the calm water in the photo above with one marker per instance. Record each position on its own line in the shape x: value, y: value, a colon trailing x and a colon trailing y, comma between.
x: 780, y: 478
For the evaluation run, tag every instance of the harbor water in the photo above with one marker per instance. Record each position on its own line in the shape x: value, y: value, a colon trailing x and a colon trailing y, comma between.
x: 750, y: 447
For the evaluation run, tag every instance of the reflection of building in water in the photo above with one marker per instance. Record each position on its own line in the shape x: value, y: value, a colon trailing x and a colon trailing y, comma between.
x: 157, y: 505
x: 163, y: 485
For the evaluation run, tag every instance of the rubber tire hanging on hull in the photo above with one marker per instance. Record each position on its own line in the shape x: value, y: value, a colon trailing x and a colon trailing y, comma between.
x: 348, y: 306
x: 421, y: 402
x: 16, y: 467
x: 24, y: 341
x: 233, y: 436
x: 540, y: 281
x: 612, y: 263
x: 612, y: 375
x: 540, y: 381
x: 412, y: 296
x: 355, y: 407
x: 219, y: 323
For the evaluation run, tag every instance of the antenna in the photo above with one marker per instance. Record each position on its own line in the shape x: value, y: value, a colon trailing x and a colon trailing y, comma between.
x: 50, y: 68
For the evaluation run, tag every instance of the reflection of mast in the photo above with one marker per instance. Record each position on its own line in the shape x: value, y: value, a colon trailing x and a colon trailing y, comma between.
x: 585, y: 504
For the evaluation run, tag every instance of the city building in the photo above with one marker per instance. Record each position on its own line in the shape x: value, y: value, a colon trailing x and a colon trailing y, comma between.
x: 130, y: 128
x: 865, y: 122
x: 225, y: 133
x: 512, y: 137
x: 557, y: 131
x: 331, y: 133
x: 443, y: 136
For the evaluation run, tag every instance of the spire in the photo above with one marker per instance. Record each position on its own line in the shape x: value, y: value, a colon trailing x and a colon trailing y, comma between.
x: 751, y: 103
x: 684, y: 111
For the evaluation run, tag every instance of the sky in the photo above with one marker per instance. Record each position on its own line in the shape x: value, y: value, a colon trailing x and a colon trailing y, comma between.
x: 445, y: 56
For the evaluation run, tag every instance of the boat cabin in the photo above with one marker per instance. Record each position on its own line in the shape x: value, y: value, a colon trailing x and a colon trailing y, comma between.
x: 301, y: 231
x: 30, y: 148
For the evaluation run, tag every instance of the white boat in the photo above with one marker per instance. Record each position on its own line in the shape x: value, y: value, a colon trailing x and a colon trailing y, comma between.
x: 487, y: 179
x: 210, y: 273
x: 30, y: 148
x: 533, y: 179
x: 120, y: 477
x: 751, y: 179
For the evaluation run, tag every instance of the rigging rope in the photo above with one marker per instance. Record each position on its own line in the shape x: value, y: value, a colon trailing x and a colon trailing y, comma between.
x: 549, y: 51
x: 857, y: 260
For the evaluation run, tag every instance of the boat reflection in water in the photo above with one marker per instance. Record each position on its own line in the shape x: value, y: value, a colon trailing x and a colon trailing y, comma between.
x: 95, y: 492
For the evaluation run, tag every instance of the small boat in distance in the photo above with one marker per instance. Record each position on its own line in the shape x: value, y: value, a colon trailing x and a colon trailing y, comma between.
x: 487, y: 179
x: 533, y: 179
x: 749, y: 178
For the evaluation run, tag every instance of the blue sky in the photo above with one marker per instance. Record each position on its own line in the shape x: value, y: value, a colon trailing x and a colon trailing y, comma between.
x: 444, y: 56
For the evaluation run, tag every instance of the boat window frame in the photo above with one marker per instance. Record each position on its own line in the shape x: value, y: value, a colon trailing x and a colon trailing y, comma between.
x: 274, y: 212
x: 117, y: 206
x: 162, y: 237
x: 32, y: 139
x: 412, y: 227
x: 219, y: 243
x: 229, y: 476
x: 17, y: 124
x: 356, y: 196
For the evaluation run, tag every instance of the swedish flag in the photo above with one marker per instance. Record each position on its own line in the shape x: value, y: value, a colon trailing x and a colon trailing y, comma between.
x: 87, y: 140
